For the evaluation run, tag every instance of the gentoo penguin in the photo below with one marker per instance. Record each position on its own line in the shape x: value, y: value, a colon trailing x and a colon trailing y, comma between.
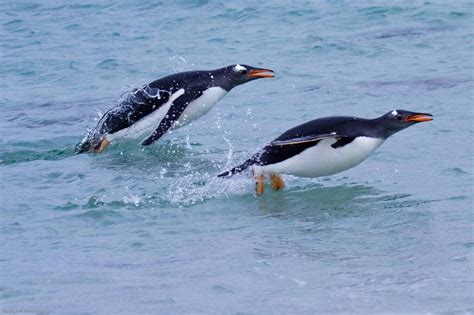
x: 324, y: 146
x: 167, y: 103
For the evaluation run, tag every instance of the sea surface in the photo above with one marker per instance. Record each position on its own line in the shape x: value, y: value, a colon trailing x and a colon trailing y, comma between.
x: 152, y: 230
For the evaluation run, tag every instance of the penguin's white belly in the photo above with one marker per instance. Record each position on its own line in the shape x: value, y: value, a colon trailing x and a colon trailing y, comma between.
x: 200, y: 106
x: 322, y: 159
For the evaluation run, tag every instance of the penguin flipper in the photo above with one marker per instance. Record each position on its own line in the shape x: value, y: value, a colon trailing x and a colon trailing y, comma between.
x: 176, y: 109
x: 306, y: 139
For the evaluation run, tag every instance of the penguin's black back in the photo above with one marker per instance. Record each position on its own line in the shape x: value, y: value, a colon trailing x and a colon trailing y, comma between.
x: 339, y: 125
x: 189, y: 80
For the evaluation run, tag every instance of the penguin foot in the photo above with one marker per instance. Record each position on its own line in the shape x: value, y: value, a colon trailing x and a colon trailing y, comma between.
x: 101, y: 147
x: 260, y: 184
x: 277, y: 181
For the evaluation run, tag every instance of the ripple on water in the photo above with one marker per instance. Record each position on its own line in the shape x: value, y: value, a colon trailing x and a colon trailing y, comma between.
x: 22, y: 156
x: 455, y: 171
x: 67, y: 207
x: 426, y: 84
x: 104, y: 217
x: 404, y: 32
x: 108, y: 64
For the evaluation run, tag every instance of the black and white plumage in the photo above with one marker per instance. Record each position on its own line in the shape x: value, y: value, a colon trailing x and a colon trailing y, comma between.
x: 326, y: 146
x: 167, y: 103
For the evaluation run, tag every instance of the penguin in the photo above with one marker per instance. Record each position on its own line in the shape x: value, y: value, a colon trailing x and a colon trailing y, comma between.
x: 168, y: 103
x: 324, y: 146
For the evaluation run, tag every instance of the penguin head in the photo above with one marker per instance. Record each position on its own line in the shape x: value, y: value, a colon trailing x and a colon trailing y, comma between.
x: 234, y: 75
x: 399, y: 119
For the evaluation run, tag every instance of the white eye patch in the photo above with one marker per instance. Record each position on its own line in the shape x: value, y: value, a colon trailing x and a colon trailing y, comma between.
x: 239, y: 68
x: 394, y: 113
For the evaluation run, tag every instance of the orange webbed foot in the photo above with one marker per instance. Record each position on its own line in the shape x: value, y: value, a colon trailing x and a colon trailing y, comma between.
x: 277, y: 181
x: 101, y: 147
x: 260, y: 184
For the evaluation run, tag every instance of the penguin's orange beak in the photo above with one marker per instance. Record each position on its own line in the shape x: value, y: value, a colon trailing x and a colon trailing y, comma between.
x: 419, y: 117
x: 261, y: 73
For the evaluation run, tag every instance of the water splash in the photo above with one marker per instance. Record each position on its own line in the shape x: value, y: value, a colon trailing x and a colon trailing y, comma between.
x: 197, y: 187
x: 132, y: 199
x: 179, y: 63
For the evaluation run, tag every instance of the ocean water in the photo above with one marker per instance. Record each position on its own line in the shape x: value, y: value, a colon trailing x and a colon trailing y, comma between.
x: 152, y: 230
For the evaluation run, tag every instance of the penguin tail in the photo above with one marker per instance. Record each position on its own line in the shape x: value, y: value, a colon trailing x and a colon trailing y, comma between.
x: 83, y: 146
x: 238, y: 169
x: 88, y: 144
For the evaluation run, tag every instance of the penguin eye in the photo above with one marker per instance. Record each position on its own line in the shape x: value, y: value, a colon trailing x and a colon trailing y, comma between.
x: 243, y: 71
x: 399, y: 117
